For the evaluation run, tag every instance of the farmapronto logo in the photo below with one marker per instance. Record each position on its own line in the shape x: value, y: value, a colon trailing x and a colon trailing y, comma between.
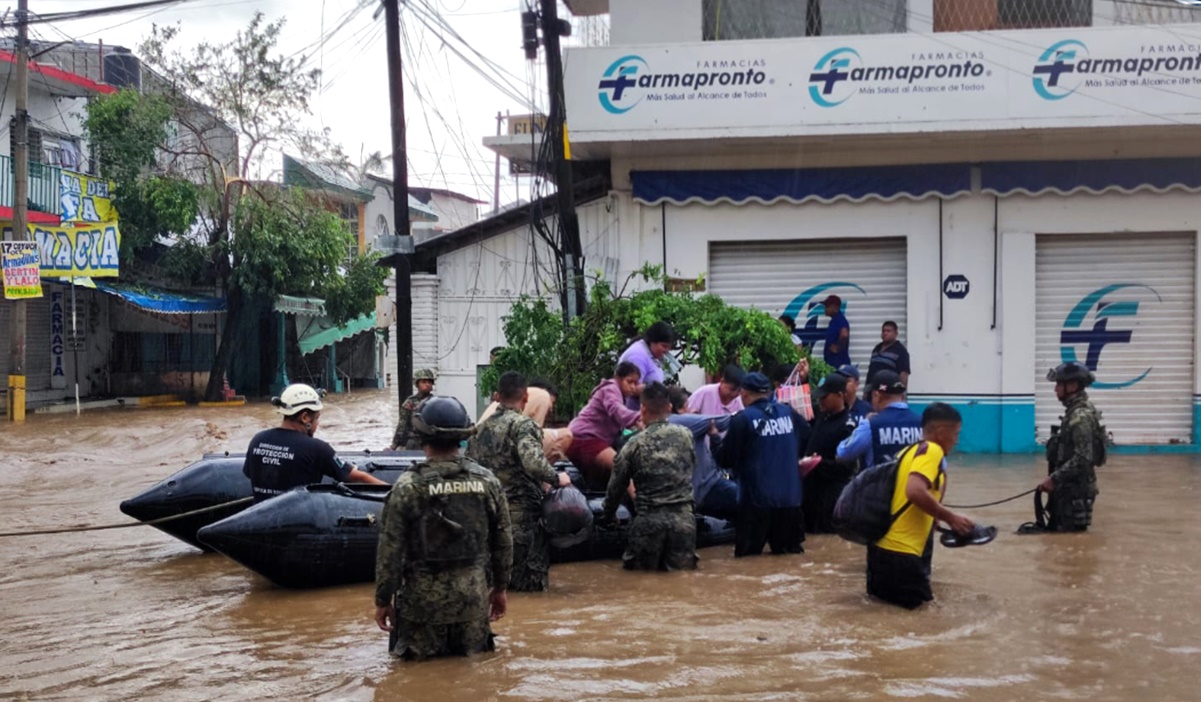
x: 842, y: 72
x: 629, y: 80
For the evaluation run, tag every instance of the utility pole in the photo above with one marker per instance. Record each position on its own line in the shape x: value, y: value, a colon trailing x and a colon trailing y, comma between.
x: 16, y: 365
x: 556, y: 131
x: 496, y: 172
x: 400, y: 206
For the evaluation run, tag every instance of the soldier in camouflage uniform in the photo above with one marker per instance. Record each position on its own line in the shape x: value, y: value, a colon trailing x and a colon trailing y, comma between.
x: 405, y: 438
x: 659, y: 461
x: 444, y: 530
x: 1076, y: 448
x: 510, y: 445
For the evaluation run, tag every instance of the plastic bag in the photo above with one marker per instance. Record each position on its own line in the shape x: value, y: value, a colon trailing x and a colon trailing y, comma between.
x: 566, y: 517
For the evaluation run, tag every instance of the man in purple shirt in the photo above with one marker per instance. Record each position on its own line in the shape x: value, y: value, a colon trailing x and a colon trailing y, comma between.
x: 645, y: 353
x: 720, y: 398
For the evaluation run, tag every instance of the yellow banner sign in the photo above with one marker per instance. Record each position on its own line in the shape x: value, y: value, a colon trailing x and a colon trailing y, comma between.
x: 21, y: 279
x: 78, y: 251
x: 85, y: 198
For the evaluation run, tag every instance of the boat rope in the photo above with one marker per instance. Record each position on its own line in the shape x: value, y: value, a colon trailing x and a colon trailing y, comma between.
x: 990, y: 504
x: 122, y: 525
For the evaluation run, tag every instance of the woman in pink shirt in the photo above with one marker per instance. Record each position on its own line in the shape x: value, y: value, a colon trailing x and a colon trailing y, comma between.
x: 601, y: 422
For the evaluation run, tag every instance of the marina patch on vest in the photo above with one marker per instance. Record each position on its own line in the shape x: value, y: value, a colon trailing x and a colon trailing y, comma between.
x: 457, y: 487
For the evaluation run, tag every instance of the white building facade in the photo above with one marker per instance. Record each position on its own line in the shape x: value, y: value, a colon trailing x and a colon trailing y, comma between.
x: 1013, y: 199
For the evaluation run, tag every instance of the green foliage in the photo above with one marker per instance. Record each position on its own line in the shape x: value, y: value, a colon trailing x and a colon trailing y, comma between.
x: 576, y: 357
x: 125, y: 129
x: 353, y: 294
x: 284, y: 244
x: 247, y: 82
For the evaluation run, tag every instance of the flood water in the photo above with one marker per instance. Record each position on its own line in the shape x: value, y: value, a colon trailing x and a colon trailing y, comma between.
x: 132, y: 614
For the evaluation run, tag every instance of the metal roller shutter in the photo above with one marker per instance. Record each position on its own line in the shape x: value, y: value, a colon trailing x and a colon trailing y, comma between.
x: 775, y: 276
x: 37, y: 340
x: 1123, y: 304
x: 425, y: 321
x: 37, y: 343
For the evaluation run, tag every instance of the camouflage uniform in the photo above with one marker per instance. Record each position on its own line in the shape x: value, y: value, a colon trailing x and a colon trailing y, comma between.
x: 660, y: 461
x: 510, y: 445
x: 444, y: 527
x: 405, y: 438
x: 1075, y: 449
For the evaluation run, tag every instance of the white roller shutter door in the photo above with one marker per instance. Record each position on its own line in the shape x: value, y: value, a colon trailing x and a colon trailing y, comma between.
x: 1124, y: 304
x: 868, y: 274
x: 425, y: 321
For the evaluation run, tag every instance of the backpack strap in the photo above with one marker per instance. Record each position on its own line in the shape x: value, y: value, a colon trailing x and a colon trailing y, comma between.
x: 900, y: 459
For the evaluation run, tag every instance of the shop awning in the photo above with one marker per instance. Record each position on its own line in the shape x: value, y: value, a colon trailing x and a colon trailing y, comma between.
x: 320, y: 332
x: 1067, y: 177
x: 304, y: 306
x: 153, y: 299
x: 799, y: 185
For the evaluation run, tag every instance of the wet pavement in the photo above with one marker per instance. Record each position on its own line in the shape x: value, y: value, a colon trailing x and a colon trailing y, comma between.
x: 132, y: 614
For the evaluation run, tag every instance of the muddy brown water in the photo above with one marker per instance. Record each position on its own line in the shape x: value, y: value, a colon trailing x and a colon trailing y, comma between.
x: 132, y: 614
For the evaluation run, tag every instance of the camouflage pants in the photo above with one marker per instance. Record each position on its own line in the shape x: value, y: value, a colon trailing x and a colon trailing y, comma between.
x: 1070, y: 508
x: 531, y: 556
x: 662, y: 540
x: 415, y: 641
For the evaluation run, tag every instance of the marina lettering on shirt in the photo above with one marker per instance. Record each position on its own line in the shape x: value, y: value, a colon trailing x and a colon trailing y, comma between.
x: 900, y: 435
x: 773, y: 427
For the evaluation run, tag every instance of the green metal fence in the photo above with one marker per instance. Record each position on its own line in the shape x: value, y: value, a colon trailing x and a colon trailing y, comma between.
x: 43, y: 185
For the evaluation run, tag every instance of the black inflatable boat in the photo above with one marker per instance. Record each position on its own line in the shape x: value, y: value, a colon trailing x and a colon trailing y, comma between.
x: 324, y: 535
x: 217, y: 479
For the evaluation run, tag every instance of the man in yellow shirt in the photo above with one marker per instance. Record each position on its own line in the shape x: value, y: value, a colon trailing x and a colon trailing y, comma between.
x: 898, y: 565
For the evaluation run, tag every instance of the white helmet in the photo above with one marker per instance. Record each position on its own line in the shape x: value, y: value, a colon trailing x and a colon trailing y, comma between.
x: 296, y: 398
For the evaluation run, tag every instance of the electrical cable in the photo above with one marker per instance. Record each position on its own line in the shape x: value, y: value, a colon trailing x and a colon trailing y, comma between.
x: 991, y: 504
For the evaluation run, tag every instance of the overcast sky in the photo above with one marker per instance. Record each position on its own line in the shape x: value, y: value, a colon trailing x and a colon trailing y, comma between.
x: 449, y: 110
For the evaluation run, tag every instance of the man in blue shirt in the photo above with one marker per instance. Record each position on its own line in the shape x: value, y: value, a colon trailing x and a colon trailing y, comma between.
x: 762, y: 448
x: 893, y: 427
x: 838, y: 334
x: 857, y: 407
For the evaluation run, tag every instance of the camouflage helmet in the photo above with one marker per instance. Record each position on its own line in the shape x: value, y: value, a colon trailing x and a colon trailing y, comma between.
x: 444, y: 418
x: 1073, y: 372
x: 425, y: 374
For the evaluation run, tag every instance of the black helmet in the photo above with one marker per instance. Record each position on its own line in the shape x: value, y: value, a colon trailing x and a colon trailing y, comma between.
x: 443, y: 417
x: 1074, y: 372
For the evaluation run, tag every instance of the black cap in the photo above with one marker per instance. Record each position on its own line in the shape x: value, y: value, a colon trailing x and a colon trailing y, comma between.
x: 756, y: 382
x: 848, y: 371
x: 888, y: 382
x: 832, y: 384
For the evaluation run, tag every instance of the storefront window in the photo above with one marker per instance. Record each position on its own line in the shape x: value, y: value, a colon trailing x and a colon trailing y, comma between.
x: 779, y: 19
x: 981, y: 15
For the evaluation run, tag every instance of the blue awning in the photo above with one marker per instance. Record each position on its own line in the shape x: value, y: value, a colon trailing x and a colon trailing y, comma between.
x: 799, y: 185
x: 1096, y: 177
x: 156, y: 300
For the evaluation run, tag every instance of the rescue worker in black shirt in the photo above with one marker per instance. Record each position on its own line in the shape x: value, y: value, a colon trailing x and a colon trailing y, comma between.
x: 823, y: 474
x: 288, y: 456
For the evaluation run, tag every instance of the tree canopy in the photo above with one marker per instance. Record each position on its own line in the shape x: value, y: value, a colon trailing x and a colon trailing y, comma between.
x: 579, y: 354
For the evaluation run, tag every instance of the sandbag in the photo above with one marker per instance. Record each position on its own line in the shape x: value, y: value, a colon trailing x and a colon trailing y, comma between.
x: 566, y: 516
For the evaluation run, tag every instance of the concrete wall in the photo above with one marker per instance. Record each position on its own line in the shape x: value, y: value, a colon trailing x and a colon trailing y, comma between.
x: 658, y: 22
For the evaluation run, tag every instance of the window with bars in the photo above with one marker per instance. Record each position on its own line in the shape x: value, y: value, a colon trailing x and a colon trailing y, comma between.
x: 350, y: 216
x: 983, y: 15
x: 726, y: 20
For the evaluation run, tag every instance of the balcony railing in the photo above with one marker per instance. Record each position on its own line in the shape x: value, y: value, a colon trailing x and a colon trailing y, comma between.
x: 44, y: 183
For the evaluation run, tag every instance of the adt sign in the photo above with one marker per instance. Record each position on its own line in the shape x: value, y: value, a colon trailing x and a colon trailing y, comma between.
x: 956, y: 287
x: 1094, y: 339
